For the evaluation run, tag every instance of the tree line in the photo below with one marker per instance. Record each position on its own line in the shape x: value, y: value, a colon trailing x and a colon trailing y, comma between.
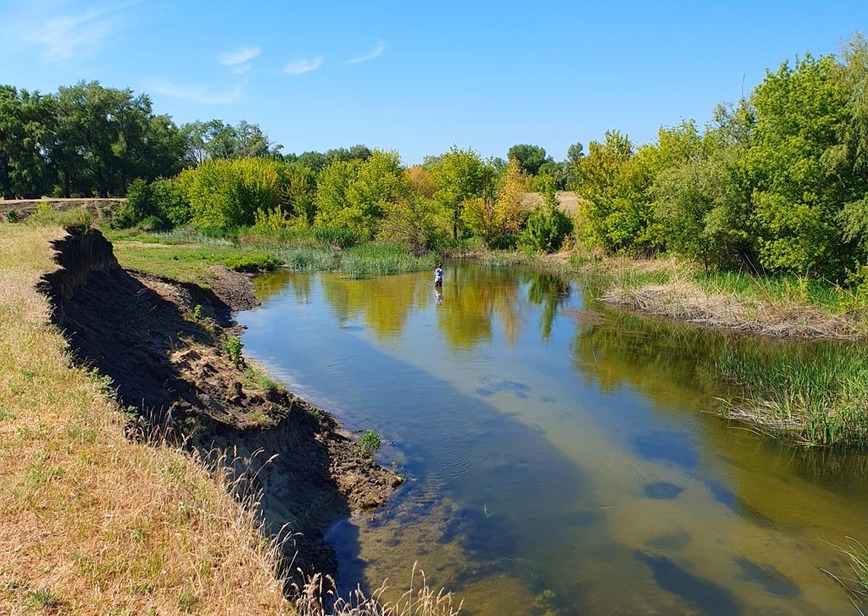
x: 776, y: 182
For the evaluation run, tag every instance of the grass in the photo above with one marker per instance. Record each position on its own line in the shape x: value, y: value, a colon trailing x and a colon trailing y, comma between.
x: 317, y: 598
x: 187, y: 256
x: 96, y: 523
x: 779, y: 306
x: 814, y: 394
x: 856, y: 555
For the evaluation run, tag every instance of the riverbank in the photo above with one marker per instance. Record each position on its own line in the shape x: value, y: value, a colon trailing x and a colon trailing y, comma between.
x: 99, y: 522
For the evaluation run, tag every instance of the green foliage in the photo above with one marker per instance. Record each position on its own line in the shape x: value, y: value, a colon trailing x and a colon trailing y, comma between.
x: 369, y: 443
x: 339, y: 237
x: 44, y: 599
x: 615, y: 181
x: 529, y: 157
x: 233, y: 349
x: 546, y: 227
x: 138, y: 206
x: 461, y: 177
x: 45, y: 215
x: 498, y: 220
x: 274, y: 219
x: 226, y: 194
x: 356, y: 194
x: 814, y: 393
x: 252, y: 262
x: 411, y: 220
x: 800, y: 112
x: 13, y: 216
x: 379, y: 259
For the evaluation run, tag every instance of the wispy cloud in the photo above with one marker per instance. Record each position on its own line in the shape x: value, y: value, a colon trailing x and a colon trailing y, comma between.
x: 242, y: 55
x: 71, y: 35
x: 376, y: 52
x: 298, y: 67
x: 196, y: 93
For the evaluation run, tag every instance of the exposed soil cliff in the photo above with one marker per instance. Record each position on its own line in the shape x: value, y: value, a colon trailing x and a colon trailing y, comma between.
x: 164, y: 346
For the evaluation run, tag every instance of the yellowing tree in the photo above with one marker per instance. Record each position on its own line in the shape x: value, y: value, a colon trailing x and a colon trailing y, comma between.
x: 498, y: 222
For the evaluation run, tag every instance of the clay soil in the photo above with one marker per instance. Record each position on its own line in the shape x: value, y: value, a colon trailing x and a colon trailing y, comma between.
x: 163, y: 344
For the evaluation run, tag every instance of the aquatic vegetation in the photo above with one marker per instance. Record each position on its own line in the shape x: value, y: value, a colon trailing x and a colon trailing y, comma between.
x: 813, y: 393
x: 857, y: 557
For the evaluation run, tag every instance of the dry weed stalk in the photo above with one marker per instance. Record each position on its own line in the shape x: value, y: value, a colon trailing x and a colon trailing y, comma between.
x: 319, y: 598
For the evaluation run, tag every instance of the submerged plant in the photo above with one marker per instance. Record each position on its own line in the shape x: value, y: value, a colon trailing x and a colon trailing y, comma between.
x: 857, y: 556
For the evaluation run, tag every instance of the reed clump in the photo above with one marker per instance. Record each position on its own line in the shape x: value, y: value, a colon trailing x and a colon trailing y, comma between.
x: 814, y: 394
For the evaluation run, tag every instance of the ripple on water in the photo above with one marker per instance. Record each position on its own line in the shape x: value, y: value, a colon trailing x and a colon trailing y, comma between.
x: 491, y: 384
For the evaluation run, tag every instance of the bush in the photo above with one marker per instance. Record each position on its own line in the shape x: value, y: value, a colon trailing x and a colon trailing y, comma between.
x: 369, y: 443
x: 546, y: 228
x: 138, y: 206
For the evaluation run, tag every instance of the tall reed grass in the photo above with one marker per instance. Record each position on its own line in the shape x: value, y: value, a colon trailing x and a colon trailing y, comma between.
x: 816, y: 393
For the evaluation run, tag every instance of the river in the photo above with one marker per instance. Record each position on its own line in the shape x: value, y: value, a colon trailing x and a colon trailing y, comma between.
x: 561, y: 456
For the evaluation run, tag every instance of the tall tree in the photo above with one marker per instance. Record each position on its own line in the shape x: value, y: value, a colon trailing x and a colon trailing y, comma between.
x: 460, y: 175
x: 26, y: 131
x: 530, y: 157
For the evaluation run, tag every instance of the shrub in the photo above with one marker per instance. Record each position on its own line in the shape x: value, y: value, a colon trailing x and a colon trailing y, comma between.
x: 233, y: 347
x: 138, y: 206
x: 369, y: 443
x: 546, y: 229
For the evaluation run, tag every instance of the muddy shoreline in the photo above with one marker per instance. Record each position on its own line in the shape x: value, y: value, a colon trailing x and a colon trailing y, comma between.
x: 164, y: 346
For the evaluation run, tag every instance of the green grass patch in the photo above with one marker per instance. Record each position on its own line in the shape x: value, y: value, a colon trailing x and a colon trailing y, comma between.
x: 45, y: 215
x: 382, y: 259
x: 188, y: 262
x: 812, y: 393
x: 782, y: 289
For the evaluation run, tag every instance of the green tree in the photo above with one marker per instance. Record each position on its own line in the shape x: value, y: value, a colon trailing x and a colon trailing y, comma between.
x: 461, y: 176
x: 26, y: 133
x: 530, y: 157
x: 547, y: 226
x: 497, y: 221
x: 801, y: 110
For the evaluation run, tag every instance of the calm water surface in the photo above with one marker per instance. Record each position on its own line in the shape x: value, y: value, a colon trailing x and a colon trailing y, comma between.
x: 559, y: 456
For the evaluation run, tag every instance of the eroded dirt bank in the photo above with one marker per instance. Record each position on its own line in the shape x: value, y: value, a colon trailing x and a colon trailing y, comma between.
x: 164, y: 346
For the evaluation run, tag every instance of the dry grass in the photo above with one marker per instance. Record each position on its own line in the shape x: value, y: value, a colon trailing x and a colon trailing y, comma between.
x: 317, y: 598
x: 91, y: 523
x: 688, y: 301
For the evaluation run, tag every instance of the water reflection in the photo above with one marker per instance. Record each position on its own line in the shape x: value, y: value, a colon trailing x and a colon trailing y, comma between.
x: 558, y: 457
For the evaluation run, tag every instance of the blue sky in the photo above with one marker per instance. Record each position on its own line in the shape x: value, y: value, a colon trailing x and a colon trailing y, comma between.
x: 419, y: 77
